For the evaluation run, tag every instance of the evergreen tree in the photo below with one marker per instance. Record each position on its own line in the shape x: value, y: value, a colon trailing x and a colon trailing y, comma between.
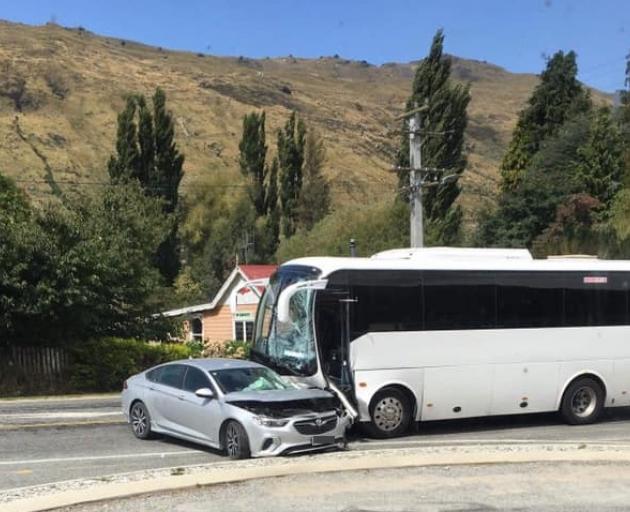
x: 253, y: 151
x: 166, y: 179
x: 268, y: 236
x: 315, y: 195
x: 146, y: 152
x: 442, y: 127
x: 146, y: 145
x: 559, y: 96
x: 600, y: 168
x: 125, y: 163
x: 290, y: 158
x: 550, y: 177
x: 623, y: 115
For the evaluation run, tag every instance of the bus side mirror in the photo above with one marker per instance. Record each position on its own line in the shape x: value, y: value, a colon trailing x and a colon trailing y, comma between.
x: 283, y: 310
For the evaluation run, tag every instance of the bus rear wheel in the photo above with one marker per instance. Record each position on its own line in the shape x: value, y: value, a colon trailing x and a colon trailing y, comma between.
x: 390, y: 413
x: 583, y: 401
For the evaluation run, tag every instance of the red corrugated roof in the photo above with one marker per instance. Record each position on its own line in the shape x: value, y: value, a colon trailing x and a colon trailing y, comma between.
x: 253, y: 272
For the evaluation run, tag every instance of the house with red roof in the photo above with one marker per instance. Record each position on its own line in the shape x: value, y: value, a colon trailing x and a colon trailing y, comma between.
x: 231, y: 314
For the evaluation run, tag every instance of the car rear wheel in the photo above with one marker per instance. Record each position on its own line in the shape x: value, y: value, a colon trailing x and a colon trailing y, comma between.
x: 235, y: 441
x: 140, y: 420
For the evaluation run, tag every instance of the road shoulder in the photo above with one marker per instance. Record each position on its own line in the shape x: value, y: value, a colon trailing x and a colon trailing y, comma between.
x: 148, y: 482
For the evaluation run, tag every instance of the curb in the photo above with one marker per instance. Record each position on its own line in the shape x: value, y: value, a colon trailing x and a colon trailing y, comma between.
x: 57, y: 398
x: 16, y: 426
x: 349, y: 461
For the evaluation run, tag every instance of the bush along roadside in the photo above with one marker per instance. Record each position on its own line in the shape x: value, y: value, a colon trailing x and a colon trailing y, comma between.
x: 104, y: 364
x: 231, y: 349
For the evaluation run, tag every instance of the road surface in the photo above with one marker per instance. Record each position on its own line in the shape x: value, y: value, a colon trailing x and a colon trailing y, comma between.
x: 45, y: 441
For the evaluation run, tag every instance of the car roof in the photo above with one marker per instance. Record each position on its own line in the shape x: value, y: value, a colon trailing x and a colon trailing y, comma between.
x: 218, y: 364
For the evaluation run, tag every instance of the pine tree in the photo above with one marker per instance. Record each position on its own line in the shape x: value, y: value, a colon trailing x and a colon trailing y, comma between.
x: 290, y: 158
x: 253, y: 151
x: 124, y: 165
x: 315, y: 196
x: 442, y: 127
x: 558, y: 97
x: 165, y: 182
x: 601, y: 165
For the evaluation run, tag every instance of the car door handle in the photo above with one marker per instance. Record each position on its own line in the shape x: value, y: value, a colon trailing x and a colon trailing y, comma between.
x: 181, y: 397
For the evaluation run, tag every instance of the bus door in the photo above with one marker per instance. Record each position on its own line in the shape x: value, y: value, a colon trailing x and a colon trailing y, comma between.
x: 333, y: 336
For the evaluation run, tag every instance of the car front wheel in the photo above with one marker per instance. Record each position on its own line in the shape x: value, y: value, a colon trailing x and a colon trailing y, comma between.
x: 235, y: 441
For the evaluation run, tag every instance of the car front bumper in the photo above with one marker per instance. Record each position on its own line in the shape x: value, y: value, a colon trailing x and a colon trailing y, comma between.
x: 269, y: 441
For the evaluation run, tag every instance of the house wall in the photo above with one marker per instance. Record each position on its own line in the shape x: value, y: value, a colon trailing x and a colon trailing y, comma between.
x: 218, y: 325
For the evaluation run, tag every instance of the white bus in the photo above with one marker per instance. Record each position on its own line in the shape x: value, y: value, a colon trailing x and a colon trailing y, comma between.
x: 438, y: 333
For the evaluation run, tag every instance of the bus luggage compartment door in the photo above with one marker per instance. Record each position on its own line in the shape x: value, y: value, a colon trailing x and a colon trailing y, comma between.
x: 456, y: 392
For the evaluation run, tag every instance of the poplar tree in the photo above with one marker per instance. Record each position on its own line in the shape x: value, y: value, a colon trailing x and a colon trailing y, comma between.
x: 168, y: 173
x: 124, y: 164
x: 269, y: 232
x: 315, y: 194
x: 442, y: 128
x: 146, y: 145
x: 146, y: 151
x: 291, y: 140
x: 253, y: 151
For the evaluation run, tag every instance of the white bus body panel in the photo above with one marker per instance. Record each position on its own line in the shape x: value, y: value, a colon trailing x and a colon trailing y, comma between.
x: 490, y: 372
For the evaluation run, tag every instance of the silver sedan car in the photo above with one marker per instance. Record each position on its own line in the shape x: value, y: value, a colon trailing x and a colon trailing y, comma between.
x: 241, y: 407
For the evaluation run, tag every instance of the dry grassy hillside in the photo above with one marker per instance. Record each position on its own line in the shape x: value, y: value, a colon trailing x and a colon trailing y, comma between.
x: 60, y: 91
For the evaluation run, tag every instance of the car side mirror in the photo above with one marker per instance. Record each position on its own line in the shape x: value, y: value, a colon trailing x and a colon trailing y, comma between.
x: 204, y: 393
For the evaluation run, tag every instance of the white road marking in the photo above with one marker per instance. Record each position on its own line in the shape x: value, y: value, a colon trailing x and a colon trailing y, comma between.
x: 99, y: 457
x: 58, y: 415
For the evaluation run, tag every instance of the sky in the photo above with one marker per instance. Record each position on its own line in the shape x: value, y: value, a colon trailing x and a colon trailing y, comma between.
x: 514, y: 34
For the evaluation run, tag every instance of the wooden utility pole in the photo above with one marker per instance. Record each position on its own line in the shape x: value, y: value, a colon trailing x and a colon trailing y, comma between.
x: 419, y: 177
x: 416, y: 224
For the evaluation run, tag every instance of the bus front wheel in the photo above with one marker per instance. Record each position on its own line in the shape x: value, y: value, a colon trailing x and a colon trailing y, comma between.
x: 583, y: 401
x: 390, y: 413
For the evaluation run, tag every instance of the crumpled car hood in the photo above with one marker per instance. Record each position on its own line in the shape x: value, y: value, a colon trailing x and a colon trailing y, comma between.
x: 278, y: 395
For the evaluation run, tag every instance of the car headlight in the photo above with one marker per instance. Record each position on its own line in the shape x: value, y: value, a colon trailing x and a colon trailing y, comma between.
x: 270, y: 422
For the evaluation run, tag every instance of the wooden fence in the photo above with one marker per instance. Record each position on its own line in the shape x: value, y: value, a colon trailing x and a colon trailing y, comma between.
x: 32, y: 369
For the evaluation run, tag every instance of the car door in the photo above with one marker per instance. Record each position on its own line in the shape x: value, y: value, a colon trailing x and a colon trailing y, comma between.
x: 165, y: 396
x: 200, y: 418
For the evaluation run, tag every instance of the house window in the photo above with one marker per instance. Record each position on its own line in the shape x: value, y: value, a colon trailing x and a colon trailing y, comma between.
x: 196, y: 329
x: 243, y: 330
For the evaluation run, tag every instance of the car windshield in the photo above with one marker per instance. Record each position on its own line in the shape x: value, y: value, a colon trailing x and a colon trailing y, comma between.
x: 288, y: 347
x: 249, y: 379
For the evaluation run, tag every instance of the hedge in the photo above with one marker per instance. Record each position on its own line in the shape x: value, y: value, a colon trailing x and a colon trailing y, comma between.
x: 104, y: 364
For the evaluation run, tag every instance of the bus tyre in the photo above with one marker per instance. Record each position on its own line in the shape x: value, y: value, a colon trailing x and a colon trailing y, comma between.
x: 390, y: 413
x: 582, y: 401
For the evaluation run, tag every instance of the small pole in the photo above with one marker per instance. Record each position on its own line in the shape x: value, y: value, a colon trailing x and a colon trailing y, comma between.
x: 415, y: 182
x: 353, y: 248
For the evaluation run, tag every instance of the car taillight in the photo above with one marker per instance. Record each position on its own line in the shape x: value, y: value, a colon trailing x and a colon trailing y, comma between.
x: 124, y: 385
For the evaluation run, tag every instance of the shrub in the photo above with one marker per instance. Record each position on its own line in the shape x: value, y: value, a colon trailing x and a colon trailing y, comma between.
x: 104, y: 364
x: 231, y: 349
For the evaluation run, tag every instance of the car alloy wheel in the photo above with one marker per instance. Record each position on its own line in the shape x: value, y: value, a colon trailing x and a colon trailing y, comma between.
x: 232, y: 441
x: 140, y: 421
